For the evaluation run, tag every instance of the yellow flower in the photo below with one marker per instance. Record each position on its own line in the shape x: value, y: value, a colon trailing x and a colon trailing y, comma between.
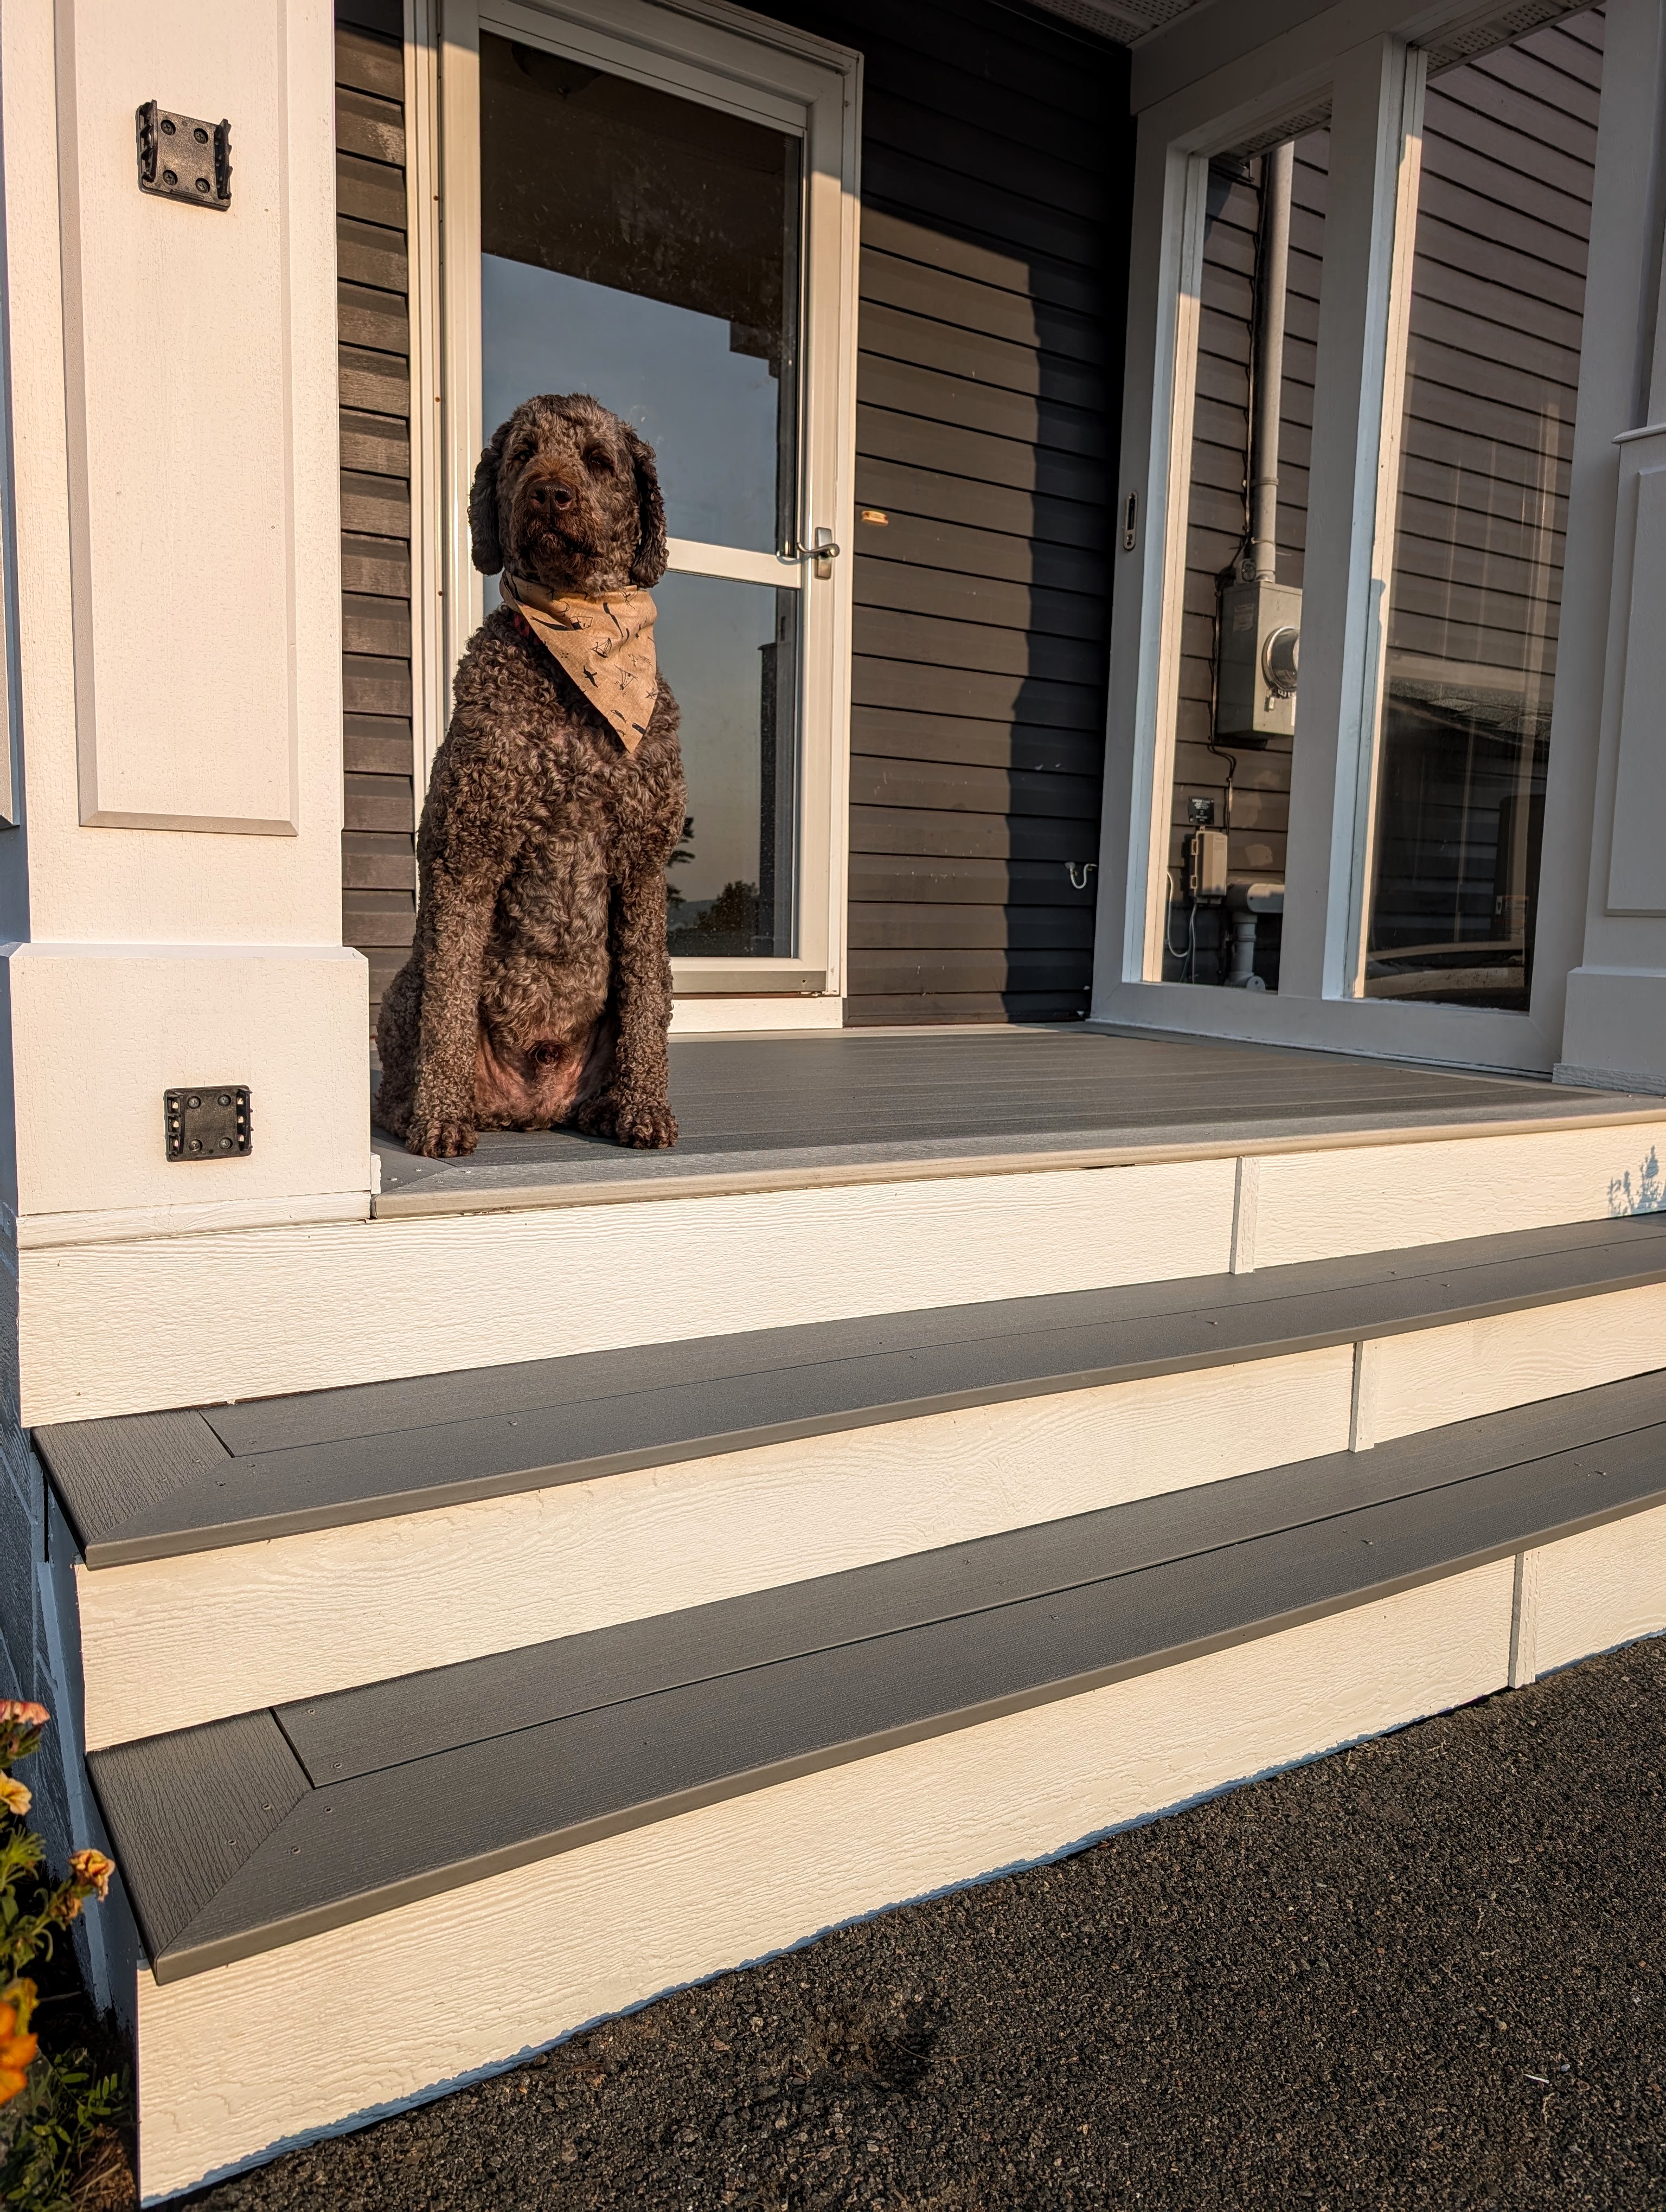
x: 14, y: 1796
x: 92, y: 1870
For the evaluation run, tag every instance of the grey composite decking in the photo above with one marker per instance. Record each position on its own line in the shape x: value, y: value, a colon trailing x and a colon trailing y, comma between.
x: 242, y: 1835
x: 757, y: 1113
x: 149, y: 1485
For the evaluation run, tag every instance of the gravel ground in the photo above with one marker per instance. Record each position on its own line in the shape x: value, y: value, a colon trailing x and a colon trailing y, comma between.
x: 1428, y: 1971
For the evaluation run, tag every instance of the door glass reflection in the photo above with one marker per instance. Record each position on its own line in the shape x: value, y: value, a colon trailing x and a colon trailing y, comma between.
x: 726, y: 650
x: 1236, y: 710
x: 645, y: 249
x: 1487, y: 443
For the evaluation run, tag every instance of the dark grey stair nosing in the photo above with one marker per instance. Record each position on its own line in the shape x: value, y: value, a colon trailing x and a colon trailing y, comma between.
x: 730, y: 1394
x: 1210, y: 1598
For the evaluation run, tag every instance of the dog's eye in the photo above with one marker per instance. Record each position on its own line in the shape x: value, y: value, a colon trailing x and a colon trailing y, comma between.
x: 599, y: 461
x: 521, y: 455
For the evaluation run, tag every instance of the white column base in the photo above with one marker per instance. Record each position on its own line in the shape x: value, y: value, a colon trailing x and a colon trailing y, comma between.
x: 1614, y: 1035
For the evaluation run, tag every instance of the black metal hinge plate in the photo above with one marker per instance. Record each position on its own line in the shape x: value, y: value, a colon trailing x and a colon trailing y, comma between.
x: 210, y: 1121
x: 182, y: 157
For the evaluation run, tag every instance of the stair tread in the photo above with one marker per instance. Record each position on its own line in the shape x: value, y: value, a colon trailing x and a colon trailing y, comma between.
x: 404, y: 1789
x: 319, y: 1459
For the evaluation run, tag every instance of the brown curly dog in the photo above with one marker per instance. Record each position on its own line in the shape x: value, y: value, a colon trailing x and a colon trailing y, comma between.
x: 537, y: 992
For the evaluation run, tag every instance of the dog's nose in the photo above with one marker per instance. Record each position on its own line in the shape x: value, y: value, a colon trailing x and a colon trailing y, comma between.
x: 549, y: 498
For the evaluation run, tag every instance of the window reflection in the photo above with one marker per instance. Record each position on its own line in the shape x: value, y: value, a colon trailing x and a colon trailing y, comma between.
x: 645, y: 248
x: 1246, y: 541
x: 727, y: 650
x: 1486, y: 440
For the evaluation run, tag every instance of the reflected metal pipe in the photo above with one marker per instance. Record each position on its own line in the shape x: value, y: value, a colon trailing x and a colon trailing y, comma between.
x: 1272, y: 280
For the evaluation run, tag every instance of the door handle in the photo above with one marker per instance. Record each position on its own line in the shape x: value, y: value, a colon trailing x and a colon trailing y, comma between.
x: 824, y: 552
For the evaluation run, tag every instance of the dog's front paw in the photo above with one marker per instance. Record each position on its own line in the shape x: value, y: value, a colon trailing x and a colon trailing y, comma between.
x: 649, y: 1124
x: 433, y: 1138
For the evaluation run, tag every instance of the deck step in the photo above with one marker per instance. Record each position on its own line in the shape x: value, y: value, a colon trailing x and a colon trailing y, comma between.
x: 856, y: 1106
x: 247, y: 1834
x: 151, y: 1486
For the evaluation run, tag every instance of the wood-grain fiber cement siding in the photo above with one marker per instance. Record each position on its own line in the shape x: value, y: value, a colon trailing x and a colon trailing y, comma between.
x: 379, y: 849
x: 996, y: 208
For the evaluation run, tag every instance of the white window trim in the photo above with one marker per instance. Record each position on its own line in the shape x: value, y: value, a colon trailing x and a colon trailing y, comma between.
x: 710, y: 50
x: 1361, y: 51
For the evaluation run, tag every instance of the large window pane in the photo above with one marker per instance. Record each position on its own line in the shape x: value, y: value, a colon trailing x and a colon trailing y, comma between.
x: 645, y: 248
x: 1486, y: 440
x: 1246, y: 542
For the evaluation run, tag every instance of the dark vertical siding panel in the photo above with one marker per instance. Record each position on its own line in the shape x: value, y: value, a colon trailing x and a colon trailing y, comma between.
x: 995, y: 164
x: 378, y: 867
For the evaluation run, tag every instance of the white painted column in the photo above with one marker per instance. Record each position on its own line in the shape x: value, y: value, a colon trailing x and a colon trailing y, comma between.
x: 171, y: 894
x: 1612, y: 778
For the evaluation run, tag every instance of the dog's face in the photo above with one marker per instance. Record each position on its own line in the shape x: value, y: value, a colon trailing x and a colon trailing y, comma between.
x: 566, y: 494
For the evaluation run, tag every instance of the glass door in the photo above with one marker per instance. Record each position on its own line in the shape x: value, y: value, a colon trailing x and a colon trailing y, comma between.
x: 647, y: 248
x: 1486, y: 442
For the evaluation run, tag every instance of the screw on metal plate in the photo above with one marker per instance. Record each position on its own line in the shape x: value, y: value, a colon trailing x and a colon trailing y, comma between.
x: 181, y: 157
x: 210, y: 1121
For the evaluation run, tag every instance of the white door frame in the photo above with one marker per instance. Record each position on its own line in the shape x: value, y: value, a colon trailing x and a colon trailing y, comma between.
x: 707, y: 51
x: 1191, y: 99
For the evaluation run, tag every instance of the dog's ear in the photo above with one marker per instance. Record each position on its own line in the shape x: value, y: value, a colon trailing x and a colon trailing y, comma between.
x: 652, y: 549
x: 483, y: 538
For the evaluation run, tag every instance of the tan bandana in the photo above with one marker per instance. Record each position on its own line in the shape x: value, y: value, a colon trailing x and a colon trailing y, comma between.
x: 605, y: 645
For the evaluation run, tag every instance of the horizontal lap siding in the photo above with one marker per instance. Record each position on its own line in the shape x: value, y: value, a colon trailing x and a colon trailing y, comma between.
x: 378, y: 867
x: 994, y: 224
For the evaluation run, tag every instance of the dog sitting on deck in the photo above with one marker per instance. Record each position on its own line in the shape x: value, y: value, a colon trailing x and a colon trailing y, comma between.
x: 537, y: 992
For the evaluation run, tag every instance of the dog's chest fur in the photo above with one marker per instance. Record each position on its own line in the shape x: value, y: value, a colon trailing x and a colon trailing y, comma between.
x: 540, y: 775
x: 586, y: 814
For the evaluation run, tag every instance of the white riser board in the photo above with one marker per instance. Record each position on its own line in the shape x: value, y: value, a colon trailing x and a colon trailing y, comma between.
x: 167, y: 1643
x: 139, y: 1326
x: 1604, y: 1588
x: 1431, y: 1377
x: 132, y: 1327
x: 237, y: 2062
x: 1321, y: 1205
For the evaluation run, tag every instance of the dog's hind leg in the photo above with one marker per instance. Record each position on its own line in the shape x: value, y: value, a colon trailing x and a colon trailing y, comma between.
x: 397, y: 1022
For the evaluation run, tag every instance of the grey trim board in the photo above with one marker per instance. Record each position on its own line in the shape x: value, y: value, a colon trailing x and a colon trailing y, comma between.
x: 471, y: 1770
x: 327, y: 1458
